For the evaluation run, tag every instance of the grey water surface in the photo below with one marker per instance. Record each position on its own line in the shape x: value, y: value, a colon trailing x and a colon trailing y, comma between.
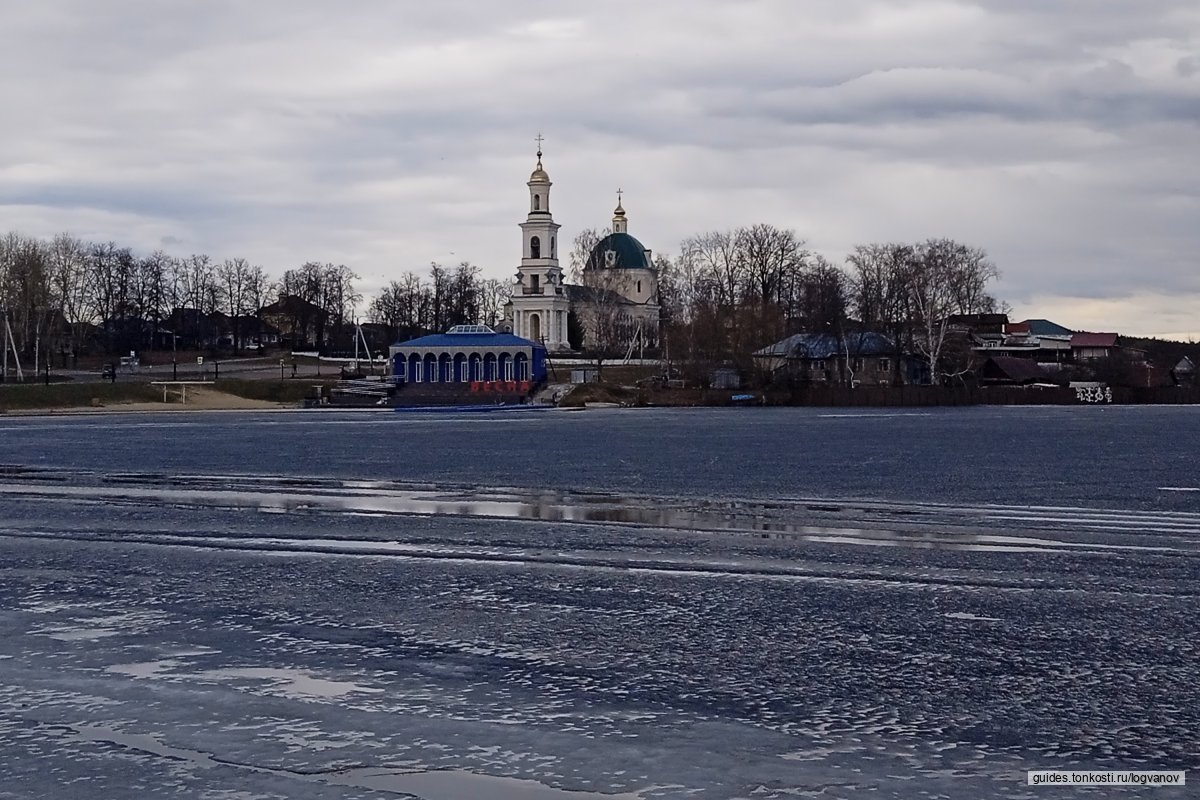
x: 714, y: 603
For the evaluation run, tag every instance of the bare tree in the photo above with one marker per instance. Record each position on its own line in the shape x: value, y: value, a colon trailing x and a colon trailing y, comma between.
x: 581, y: 249
x: 67, y: 260
x: 824, y: 307
x: 399, y: 305
x: 258, y: 293
x: 326, y: 296
x: 770, y: 256
x: 716, y: 260
x: 493, y: 297
x: 340, y: 298
x: 608, y: 329
x: 948, y: 278
x: 157, y: 292
x: 233, y: 275
x: 880, y: 294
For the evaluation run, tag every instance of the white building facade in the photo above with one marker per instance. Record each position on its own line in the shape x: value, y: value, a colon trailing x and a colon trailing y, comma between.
x: 539, y: 299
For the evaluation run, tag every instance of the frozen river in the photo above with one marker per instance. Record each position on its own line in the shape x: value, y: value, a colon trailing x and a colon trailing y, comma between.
x: 743, y: 603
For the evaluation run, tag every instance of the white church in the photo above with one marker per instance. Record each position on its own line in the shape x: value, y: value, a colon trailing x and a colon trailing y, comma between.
x: 620, y: 280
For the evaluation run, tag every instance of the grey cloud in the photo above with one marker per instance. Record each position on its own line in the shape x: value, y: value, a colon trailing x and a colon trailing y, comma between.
x: 1059, y: 136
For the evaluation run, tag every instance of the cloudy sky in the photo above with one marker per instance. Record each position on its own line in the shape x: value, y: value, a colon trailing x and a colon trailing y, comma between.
x: 1063, y: 136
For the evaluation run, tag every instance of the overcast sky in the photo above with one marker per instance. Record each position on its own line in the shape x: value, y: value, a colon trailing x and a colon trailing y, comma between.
x: 1063, y: 136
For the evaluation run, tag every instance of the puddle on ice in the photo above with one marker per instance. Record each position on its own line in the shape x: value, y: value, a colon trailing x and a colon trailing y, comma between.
x: 76, y: 634
x: 862, y: 522
x: 289, y: 682
x: 426, y: 784
x: 292, y: 682
x: 145, y: 669
x: 970, y: 617
x: 457, y: 784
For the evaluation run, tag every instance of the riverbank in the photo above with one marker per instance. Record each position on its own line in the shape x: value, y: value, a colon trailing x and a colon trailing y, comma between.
x: 821, y: 396
x: 61, y: 398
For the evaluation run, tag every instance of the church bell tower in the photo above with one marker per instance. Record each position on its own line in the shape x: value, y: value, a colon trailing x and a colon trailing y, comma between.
x: 539, y: 298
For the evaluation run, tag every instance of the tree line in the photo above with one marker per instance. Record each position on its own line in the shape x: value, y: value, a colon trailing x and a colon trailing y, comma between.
x: 66, y: 296
x: 726, y: 294
x: 729, y: 293
x: 449, y: 296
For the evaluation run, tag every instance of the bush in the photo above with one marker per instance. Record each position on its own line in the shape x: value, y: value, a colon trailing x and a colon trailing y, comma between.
x: 289, y: 391
x: 15, y: 396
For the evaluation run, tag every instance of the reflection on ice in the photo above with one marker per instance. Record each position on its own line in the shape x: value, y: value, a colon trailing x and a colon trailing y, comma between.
x: 433, y: 784
x: 858, y: 522
x: 963, y: 615
x: 277, y: 680
x: 76, y: 634
x: 291, y: 682
x: 455, y: 784
x: 145, y: 669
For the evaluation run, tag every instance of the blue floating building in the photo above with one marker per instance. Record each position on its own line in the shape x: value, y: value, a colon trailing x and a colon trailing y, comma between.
x: 469, y: 354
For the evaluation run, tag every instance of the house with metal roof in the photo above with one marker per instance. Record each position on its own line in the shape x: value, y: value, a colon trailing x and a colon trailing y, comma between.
x: 1037, y: 327
x: 864, y: 357
x: 1093, y: 346
x: 1184, y: 372
x: 999, y: 370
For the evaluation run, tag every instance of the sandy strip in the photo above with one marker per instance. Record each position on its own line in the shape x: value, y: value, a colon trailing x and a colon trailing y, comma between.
x: 198, y: 399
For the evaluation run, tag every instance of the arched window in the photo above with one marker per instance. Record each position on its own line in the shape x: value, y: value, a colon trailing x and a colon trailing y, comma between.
x: 537, y: 202
x: 535, y: 247
x: 553, y: 250
x: 639, y: 287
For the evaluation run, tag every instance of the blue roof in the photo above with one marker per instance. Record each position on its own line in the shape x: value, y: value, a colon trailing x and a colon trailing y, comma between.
x: 457, y: 340
x: 1044, y: 327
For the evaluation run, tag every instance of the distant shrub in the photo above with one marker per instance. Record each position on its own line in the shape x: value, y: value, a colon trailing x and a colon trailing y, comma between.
x: 18, y: 396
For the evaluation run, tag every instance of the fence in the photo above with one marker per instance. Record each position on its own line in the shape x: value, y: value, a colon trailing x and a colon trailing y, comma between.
x: 885, y: 396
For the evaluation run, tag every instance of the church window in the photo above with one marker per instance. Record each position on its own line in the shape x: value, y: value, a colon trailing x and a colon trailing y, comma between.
x: 537, y: 202
x: 639, y: 287
x: 535, y: 248
x: 553, y: 252
x: 536, y: 280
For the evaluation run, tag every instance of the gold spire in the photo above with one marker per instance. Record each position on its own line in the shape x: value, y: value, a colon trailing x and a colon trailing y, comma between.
x: 539, y: 174
x: 619, y: 223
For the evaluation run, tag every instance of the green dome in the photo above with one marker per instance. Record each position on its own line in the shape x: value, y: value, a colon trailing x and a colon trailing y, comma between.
x: 628, y: 253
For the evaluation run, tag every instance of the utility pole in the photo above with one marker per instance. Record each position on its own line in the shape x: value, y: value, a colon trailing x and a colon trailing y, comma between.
x: 9, y: 341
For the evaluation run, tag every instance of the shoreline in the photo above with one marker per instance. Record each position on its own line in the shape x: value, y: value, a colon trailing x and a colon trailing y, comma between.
x: 135, y: 408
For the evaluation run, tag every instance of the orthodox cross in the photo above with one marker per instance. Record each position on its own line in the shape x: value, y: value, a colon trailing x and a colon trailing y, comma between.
x: 539, y: 141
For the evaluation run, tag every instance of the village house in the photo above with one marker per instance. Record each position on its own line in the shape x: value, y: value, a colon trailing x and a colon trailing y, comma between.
x: 865, y: 358
x: 1093, y: 346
